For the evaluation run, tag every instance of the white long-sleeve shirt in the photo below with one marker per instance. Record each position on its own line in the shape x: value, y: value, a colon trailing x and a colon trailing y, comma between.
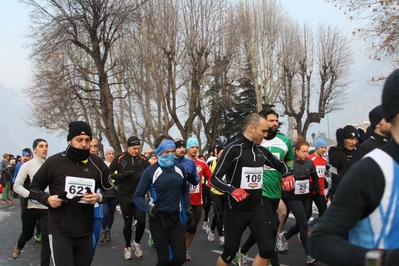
x: 28, y: 169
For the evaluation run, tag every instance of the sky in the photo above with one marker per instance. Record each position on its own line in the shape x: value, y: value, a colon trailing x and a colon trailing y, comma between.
x: 15, y: 65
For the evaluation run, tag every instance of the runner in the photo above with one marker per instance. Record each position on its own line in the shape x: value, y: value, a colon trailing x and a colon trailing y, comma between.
x: 242, y: 165
x: 73, y: 177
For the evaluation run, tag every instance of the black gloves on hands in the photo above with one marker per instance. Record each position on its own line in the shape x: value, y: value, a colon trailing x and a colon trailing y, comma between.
x: 152, y: 211
x: 191, y: 179
x: 190, y: 215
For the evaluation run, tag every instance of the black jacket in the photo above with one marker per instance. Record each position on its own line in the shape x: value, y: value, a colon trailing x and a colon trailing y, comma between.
x: 71, y: 219
x: 305, y: 170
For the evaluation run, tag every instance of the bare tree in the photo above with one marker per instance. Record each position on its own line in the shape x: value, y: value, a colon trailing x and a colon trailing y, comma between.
x: 91, y: 27
x: 380, y: 30
x: 315, y: 72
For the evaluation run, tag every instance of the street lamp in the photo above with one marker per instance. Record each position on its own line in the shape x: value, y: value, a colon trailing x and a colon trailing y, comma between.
x: 313, y: 136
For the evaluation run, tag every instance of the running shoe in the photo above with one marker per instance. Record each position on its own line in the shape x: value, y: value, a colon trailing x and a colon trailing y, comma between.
x: 127, y: 255
x: 137, y: 249
x: 235, y: 260
x: 242, y: 258
x: 9, y: 201
x: 4, y: 201
x: 221, y: 240
x: 204, y: 226
x: 299, y: 238
x: 151, y: 241
x: 118, y: 208
x: 310, y: 260
x: 282, y: 243
x: 38, y: 239
x: 103, y: 236
x: 188, y: 257
x: 211, y: 235
x: 108, y: 236
x: 15, y: 252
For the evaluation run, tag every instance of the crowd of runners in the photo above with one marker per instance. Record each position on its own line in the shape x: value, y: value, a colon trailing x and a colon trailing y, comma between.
x: 252, y: 183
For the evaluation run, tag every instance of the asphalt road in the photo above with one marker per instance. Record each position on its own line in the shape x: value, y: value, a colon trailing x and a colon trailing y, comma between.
x: 201, y: 251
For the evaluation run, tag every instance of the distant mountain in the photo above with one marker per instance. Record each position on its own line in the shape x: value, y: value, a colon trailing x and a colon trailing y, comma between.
x: 15, y: 134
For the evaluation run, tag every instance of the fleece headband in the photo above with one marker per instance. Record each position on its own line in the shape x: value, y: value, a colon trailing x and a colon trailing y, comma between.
x: 165, y: 145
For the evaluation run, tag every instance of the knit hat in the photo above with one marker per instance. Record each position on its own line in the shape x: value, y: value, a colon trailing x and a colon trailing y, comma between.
x: 77, y: 128
x: 191, y: 142
x: 350, y: 132
x: 375, y: 116
x: 108, y: 150
x: 133, y: 141
x: 179, y: 143
x: 320, y: 143
x: 390, y: 96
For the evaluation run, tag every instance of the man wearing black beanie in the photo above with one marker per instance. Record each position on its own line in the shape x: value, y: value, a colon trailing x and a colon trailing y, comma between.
x: 129, y: 166
x: 73, y: 177
x: 366, y: 203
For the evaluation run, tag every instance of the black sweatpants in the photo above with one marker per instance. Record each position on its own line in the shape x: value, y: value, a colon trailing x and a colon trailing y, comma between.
x: 67, y: 251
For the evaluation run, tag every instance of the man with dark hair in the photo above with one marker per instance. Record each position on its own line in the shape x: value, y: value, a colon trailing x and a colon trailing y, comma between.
x: 129, y: 166
x: 73, y: 177
x: 32, y: 212
x: 366, y: 202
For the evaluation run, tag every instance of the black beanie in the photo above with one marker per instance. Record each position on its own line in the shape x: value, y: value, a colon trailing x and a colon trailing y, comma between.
x: 350, y: 132
x: 375, y: 116
x: 218, y: 149
x: 390, y: 96
x: 133, y: 141
x: 180, y: 143
x: 77, y: 128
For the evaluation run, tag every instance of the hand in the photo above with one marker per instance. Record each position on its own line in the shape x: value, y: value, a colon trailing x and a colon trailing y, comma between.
x: 288, y: 183
x: 127, y: 173
x: 91, y: 198
x: 191, y: 179
x: 190, y: 215
x: 152, y: 211
x: 239, y: 194
x: 339, y: 134
x: 54, y: 201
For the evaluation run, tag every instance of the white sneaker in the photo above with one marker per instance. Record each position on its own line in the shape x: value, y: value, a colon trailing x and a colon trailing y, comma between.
x: 242, y: 258
x: 137, y: 249
x: 211, y: 235
x: 282, y: 243
x: 310, y: 260
x: 127, y: 255
x: 221, y: 240
x: 118, y: 208
x: 204, y: 226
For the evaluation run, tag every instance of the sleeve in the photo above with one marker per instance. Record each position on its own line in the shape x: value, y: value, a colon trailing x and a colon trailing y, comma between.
x: 185, y: 193
x: 40, y: 181
x: 315, y: 178
x: 114, y: 164
x: 358, y: 195
x: 141, y: 190
x: 221, y: 169
x: 208, y: 175
x: 108, y: 191
x: 19, y: 182
x: 17, y: 167
x: 335, y: 155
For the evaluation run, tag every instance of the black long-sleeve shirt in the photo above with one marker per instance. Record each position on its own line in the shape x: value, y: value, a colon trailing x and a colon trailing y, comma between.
x: 236, y: 163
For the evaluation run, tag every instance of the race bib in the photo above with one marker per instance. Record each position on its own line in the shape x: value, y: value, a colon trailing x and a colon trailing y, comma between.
x: 320, y: 170
x: 195, y: 188
x: 76, y: 187
x: 301, y: 187
x: 251, y: 178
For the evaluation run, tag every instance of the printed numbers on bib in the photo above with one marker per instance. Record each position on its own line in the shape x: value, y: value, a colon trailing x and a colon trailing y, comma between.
x: 252, y: 178
x: 320, y: 170
x: 195, y: 188
x: 76, y: 186
x: 301, y: 187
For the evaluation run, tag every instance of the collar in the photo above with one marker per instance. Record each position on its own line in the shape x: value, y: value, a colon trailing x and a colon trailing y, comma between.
x: 379, y: 138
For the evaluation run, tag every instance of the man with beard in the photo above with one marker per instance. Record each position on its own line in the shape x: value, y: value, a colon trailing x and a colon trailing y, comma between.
x: 280, y: 146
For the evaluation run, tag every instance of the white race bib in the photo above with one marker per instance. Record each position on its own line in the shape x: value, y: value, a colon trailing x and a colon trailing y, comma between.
x: 76, y: 186
x: 301, y: 187
x: 320, y: 170
x: 195, y: 188
x: 252, y: 178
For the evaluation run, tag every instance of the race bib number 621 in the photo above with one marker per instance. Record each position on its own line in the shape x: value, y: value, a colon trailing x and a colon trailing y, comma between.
x: 76, y: 186
x: 252, y: 178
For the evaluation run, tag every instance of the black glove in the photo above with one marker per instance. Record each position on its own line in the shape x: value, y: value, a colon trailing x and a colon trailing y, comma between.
x: 340, y: 137
x: 127, y: 173
x: 190, y: 215
x: 152, y: 211
x: 191, y: 179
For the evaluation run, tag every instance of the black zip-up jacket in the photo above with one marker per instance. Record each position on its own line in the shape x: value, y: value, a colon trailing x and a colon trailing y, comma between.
x: 71, y: 219
x: 129, y: 172
x: 305, y: 169
x: 243, y: 153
